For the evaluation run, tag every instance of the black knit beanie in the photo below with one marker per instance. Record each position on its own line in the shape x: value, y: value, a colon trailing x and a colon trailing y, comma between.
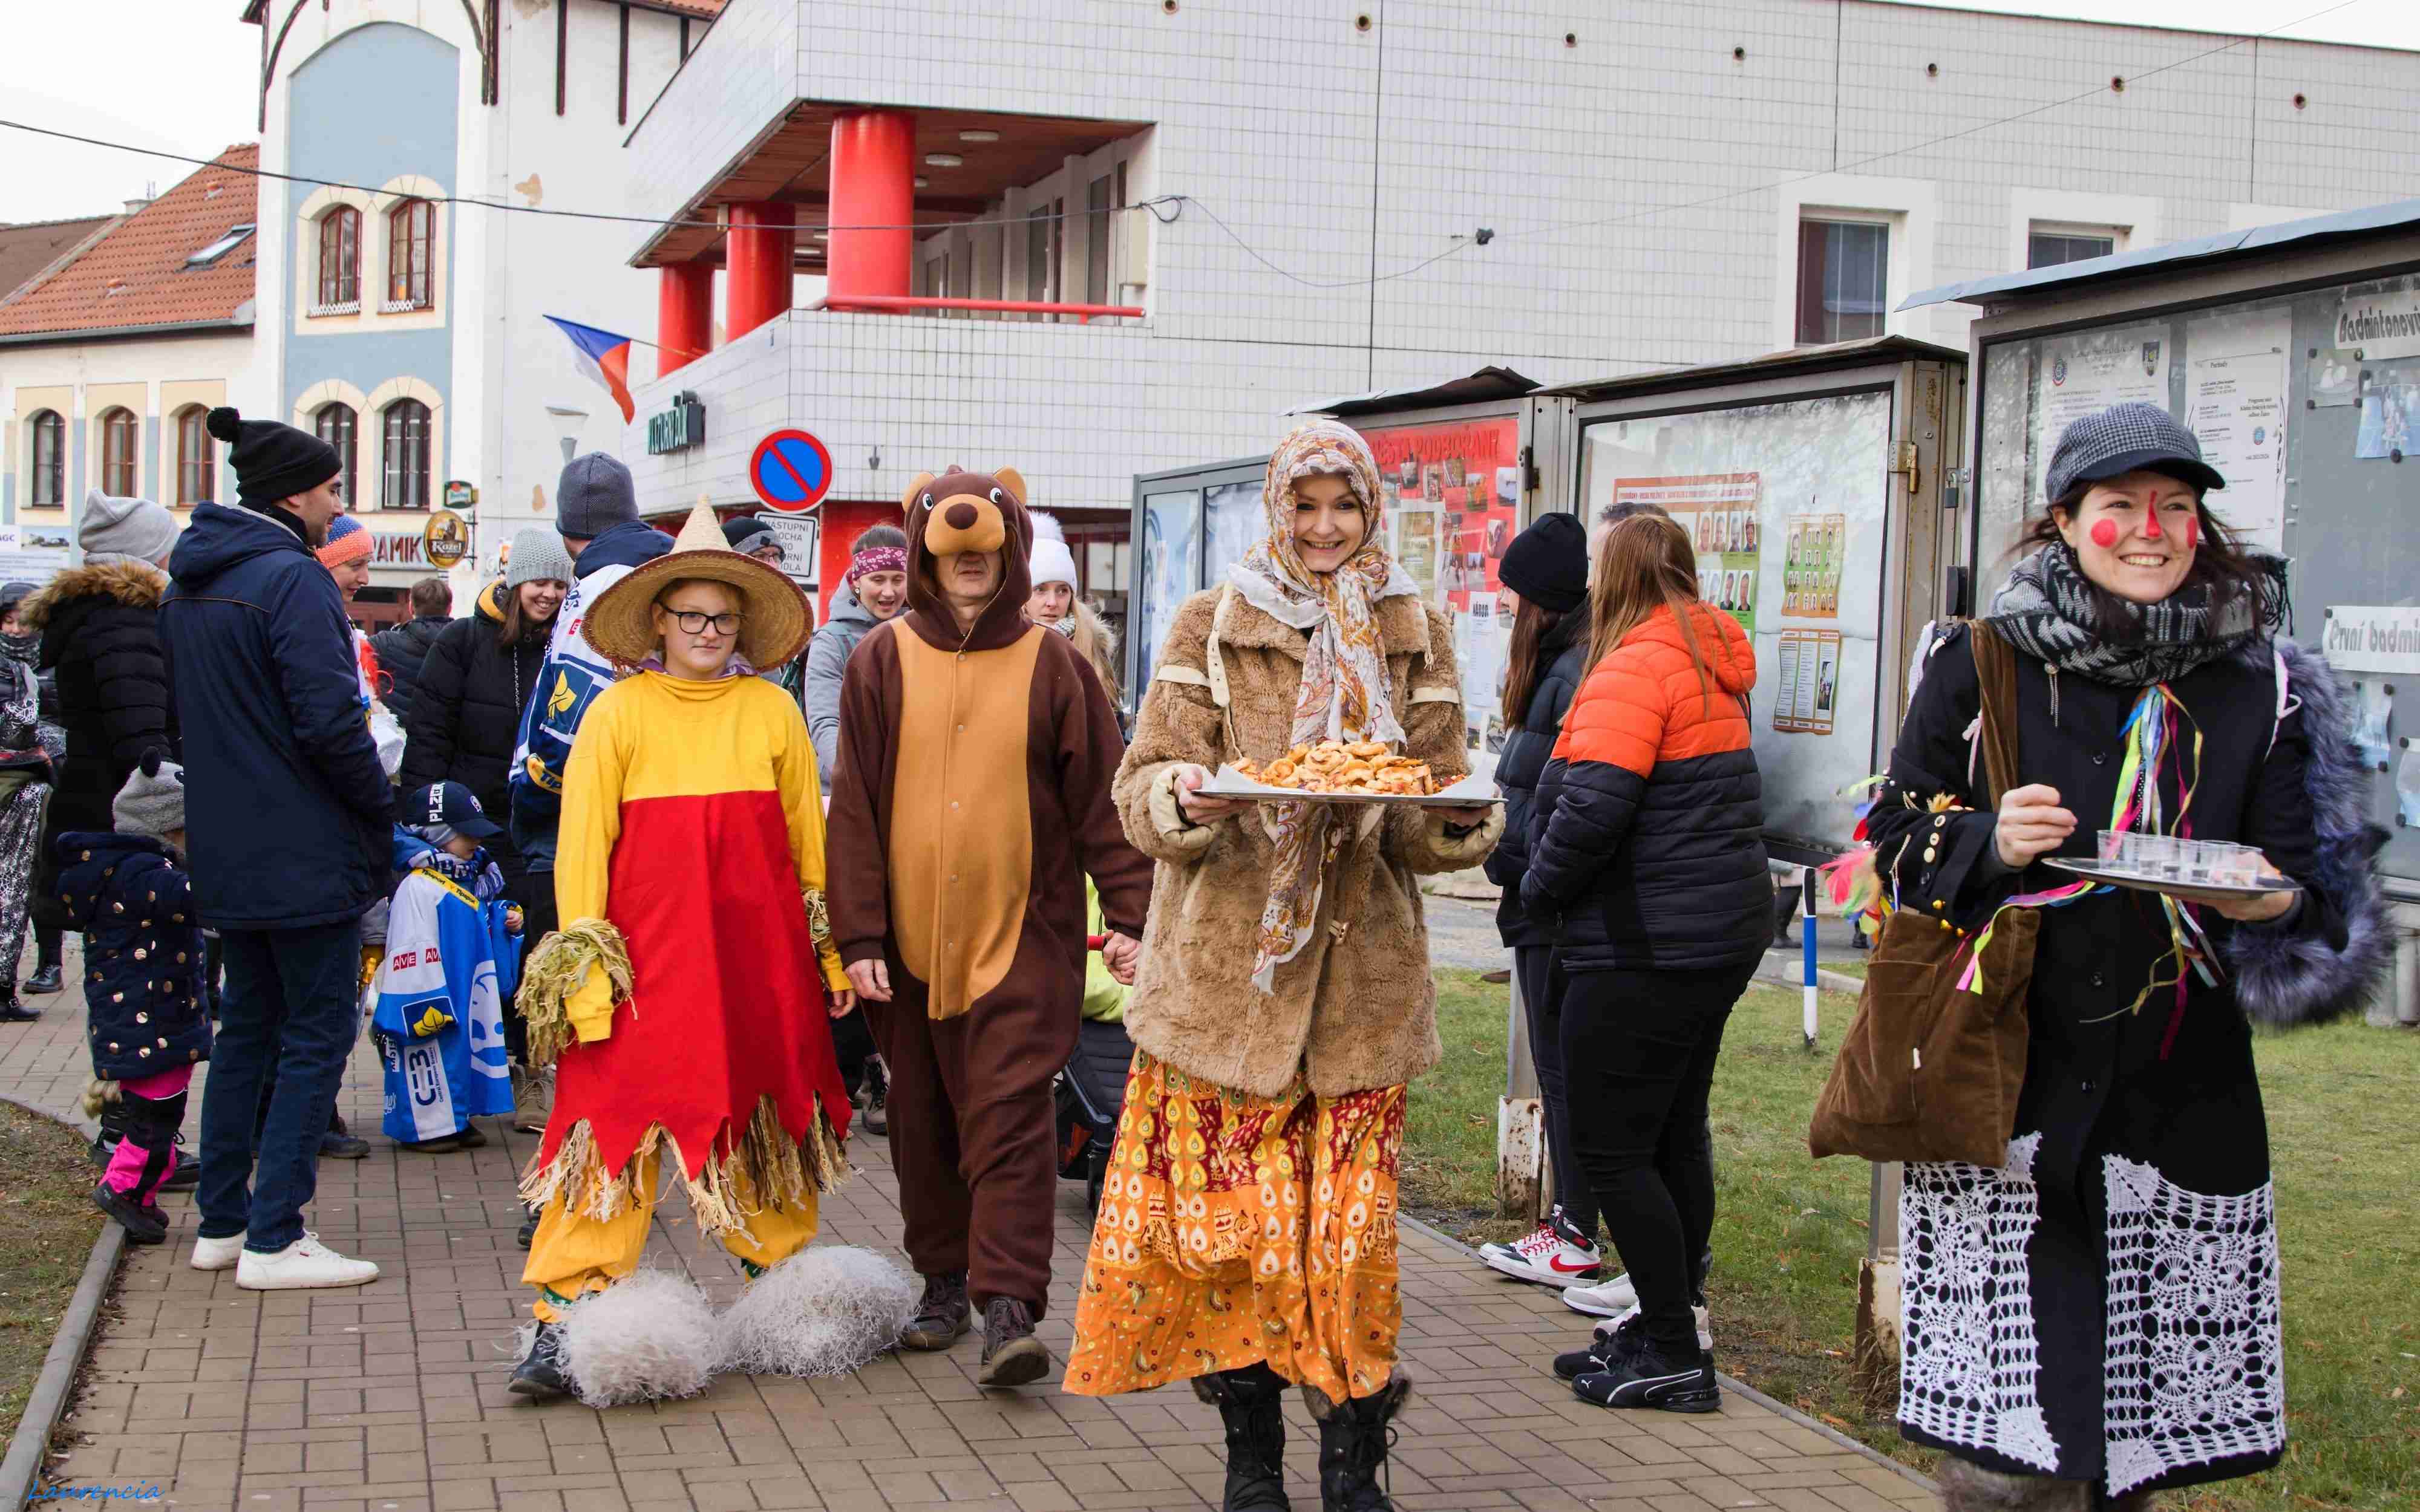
x: 273, y: 462
x: 1548, y: 564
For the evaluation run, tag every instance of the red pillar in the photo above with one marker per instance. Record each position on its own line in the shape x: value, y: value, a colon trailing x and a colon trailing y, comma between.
x: 684, y: 315
x: 872, y: 184
x: 760, y: 243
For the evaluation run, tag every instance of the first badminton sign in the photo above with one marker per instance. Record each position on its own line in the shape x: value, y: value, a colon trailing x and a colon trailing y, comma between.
x: 791, y: 472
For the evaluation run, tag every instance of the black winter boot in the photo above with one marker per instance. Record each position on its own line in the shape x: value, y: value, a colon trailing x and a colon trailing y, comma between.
x: 1353, y: 1437
x: 540, y: 1375
x: 1251, y: 1404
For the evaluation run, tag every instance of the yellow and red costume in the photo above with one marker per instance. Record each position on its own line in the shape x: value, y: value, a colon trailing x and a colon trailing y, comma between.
x: 687, y: 1007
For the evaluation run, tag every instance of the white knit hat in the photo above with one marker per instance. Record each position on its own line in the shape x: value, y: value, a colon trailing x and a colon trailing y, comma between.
x: 1053, y: 562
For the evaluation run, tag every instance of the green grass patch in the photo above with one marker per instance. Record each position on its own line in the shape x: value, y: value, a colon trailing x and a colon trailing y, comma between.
x: 47, y: 1226
x: 1791, y: 1231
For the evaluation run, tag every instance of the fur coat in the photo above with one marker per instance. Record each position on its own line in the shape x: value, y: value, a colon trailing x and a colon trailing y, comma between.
x: 1356, y: 1008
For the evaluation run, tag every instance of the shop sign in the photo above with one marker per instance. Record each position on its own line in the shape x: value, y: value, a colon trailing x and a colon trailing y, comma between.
x: 447, y: 539
x: 397, y: 550
x: 677, y: 428
x: 462, y: 495
x: 791, y: 472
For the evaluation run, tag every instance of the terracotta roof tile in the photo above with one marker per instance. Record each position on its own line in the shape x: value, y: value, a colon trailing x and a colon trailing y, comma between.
x: 136, y: 276
x: 28, y: 247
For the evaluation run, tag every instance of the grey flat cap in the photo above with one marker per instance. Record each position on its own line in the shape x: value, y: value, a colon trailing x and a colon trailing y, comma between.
x: 2127, y: 438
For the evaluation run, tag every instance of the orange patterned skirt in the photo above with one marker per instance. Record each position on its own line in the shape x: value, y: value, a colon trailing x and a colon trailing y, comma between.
x: 1236, y: 1229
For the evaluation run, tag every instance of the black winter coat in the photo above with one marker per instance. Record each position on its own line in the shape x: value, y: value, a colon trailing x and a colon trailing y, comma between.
x: 288, y: 813
x: 101, y: 638
x: 145, y: 1009
x: 1523, y: 760
x: 467, y: 716
x: 400, y: 651
x: 2134, y: 1223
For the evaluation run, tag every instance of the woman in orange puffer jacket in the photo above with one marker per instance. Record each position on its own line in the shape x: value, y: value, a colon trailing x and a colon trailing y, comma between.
x: 1646, y: 847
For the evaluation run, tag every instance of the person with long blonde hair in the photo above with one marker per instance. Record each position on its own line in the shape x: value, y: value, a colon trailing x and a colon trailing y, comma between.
x: 1646, y: 845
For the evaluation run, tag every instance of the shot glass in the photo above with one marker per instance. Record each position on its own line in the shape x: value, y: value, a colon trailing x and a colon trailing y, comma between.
x: 2195, y: 858
x: 2242, y: 867
x: 2155, y: 856
x: 2117, y: 850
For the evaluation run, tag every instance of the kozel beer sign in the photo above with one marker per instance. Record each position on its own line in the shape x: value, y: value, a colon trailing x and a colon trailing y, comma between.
x: 677, y: 428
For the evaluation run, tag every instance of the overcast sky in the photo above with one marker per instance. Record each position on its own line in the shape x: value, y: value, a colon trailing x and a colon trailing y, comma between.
x: 178, y: 75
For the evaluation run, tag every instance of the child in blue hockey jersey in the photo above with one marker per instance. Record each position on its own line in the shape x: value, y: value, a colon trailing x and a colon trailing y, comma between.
x: 452, y: 958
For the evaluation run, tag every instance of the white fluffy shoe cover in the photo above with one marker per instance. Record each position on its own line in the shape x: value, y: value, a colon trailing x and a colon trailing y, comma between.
x: 650, y: 1336
x: 825, y: 1311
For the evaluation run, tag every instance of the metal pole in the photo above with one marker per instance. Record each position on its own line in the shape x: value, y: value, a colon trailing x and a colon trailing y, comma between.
x: 1806, y: 939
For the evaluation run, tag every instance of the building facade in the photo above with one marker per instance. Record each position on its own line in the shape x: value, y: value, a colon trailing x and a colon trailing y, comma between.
x: 1301, y: 203
x: 401, y: 312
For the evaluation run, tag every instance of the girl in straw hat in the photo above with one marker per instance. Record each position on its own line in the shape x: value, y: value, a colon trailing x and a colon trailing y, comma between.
x: 681, y: 999
x: 1247, y: 1230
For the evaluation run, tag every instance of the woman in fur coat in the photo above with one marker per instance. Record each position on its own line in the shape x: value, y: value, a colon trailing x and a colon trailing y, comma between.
x: 1247, y: 1232
x: 2097, y: 1319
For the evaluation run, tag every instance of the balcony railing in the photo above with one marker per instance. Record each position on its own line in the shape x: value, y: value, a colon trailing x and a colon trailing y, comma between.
x: 901, y: 303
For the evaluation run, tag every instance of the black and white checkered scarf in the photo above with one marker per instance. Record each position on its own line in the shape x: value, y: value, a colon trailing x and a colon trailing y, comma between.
x: 2051, y: 612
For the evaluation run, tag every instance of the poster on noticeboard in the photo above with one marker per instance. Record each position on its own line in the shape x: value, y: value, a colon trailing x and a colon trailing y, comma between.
x: 1454, y: 503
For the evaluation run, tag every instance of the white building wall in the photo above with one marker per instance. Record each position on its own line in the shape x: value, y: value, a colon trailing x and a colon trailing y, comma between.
x: 1644, y: 186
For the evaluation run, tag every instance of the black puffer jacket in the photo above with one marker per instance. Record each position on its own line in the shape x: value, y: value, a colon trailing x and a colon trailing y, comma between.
x: 100, y: 637
x: 467, y: 714
x: 1526, y: 752
x: 400, y: 652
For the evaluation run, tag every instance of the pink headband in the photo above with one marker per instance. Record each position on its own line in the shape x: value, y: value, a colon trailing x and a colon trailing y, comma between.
x: 876, y: 559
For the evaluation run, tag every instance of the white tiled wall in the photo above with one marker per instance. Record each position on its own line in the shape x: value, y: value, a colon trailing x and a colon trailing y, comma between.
x: 1636, y: 180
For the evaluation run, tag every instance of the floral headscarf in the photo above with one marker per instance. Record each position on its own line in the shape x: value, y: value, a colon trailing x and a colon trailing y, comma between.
x: 1345, y: 692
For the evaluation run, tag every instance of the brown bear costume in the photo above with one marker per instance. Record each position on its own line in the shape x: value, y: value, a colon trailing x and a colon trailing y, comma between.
x: 973, y: 799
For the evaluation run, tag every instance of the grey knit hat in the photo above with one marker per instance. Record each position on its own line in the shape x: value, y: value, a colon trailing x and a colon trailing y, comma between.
x: 124, y: 530
x: 537, y: 554
x: 152, y: 802
x: 593, y: 494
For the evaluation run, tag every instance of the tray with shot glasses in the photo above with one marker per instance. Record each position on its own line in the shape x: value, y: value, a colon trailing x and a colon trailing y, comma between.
x: 2174, y: 865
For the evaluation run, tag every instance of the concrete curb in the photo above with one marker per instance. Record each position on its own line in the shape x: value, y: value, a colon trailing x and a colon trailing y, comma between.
x: 21, y: 1470
x: 1781, y: 1408
x: 1794, y: 975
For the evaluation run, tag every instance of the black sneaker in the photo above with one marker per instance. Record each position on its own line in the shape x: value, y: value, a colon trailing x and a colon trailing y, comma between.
x: 529, y: 1228
x: 1681, y: 1383
x: 44, y: 981
x: 334, y: 1146
x: 540, y: 1376
x: 13, y: 1012
x: 144, y: 1223
x: 1610, y: 1348
x: 1011, y: 1356
x: 874, y: 1095
x: 187, y: 1173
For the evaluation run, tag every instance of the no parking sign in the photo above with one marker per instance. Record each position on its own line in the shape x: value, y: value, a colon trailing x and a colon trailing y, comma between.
x: 791, y: 472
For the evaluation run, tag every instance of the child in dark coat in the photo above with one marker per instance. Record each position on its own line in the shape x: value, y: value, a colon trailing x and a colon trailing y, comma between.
x: 127, y: 892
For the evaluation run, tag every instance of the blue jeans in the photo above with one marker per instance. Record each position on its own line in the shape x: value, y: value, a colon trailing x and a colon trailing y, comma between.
x: 288, y: 1018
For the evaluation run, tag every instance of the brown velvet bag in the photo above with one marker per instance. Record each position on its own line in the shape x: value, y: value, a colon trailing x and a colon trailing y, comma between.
x: 1928, y: 1071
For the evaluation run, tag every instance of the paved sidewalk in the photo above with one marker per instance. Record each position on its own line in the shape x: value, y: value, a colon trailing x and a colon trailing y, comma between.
x: 391, y: 1398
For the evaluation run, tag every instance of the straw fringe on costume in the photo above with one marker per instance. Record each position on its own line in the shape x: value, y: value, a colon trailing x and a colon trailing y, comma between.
x: 557, y: 969
x: 779, y: 1169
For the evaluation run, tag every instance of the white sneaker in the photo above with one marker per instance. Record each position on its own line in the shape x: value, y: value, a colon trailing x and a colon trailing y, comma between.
x: 1611, y: 1300
x: 217, y: 1254
x: 305, y: 1263
x: 1705, y: 1329
x: 1551, y: 1255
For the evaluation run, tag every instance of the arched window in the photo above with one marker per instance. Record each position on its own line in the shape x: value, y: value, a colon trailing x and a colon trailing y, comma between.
x: 410, y: 241
x: 406, y: 460
x: 335, y: 424
x: 120, y: 442
x: 49, y: 449
x: 340, y: 257
x: 197, y: 457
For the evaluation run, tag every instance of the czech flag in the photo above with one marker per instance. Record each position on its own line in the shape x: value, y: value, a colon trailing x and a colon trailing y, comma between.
x: 606, y: 357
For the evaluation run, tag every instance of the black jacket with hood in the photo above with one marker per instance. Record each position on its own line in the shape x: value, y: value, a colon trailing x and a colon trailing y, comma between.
x: 99, y: 627
x: 1523, y: 760
x: 287, y: 811
x: 400, y: 653
x: 467, y: 716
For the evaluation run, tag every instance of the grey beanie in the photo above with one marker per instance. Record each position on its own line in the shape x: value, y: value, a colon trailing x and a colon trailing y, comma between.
x: 593, y: 494
x: 152, y: 802
x: 124, y: 530
x: 537, y: 554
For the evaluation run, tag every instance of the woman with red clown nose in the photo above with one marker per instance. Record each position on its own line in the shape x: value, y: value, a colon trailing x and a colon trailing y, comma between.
x: 2096, y: 1320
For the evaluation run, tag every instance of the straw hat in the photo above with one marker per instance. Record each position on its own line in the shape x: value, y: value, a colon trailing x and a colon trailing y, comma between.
x: 620, y: 626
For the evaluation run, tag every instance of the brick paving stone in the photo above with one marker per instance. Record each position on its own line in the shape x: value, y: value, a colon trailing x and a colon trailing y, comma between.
x: 391, y: 1398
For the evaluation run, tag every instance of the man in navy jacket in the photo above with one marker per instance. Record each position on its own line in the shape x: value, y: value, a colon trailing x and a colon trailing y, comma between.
x: 290, y: 831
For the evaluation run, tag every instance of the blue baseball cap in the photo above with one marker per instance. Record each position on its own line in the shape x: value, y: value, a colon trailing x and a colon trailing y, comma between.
x: 449, y: 806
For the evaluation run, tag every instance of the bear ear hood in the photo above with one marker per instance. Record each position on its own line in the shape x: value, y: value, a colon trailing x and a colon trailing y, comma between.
x: 958, y: 511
